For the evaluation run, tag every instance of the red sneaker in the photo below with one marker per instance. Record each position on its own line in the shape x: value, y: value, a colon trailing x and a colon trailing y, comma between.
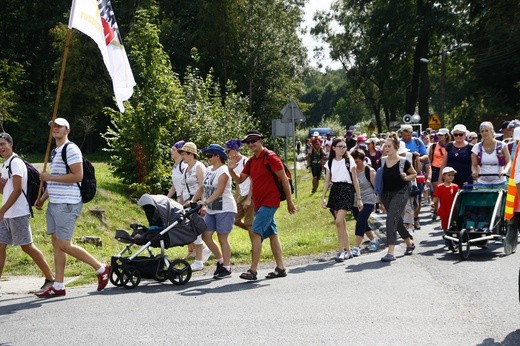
x: 103, y: 278
x: 50, y: 292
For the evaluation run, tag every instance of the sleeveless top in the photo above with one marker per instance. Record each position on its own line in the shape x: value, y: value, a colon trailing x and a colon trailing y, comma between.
x: 368, y: 196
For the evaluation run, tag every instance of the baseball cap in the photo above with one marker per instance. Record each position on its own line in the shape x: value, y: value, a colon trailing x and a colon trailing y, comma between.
x: 60, y: 122
x: 448, y: 170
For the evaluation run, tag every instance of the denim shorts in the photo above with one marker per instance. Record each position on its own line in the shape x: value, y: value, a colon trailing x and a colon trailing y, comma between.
x: 16, y: 231
x: 264, y: 223
x: 222, y: 223
x: 61, y: 219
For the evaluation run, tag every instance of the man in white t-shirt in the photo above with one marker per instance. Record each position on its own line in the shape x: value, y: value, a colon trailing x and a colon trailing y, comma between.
x: 64, y: 208
x: 15, y: 212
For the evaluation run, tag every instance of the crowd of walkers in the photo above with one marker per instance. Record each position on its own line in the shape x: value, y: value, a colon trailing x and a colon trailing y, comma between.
x: 395, y: 173
x: 413, y: 169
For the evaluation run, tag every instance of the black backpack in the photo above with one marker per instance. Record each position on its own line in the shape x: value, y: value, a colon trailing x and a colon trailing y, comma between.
x: 88, y: 185
x: 278, y: 182
x: 33, y: 182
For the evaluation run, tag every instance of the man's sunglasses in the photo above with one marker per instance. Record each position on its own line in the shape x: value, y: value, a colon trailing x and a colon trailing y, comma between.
x: 251, y: 141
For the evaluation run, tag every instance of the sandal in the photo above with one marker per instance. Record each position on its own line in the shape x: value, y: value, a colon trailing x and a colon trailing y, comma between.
x: 250, y: 275
x: 277, y: 273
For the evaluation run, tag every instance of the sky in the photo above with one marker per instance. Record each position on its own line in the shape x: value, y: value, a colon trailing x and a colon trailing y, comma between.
x: 310, y: 8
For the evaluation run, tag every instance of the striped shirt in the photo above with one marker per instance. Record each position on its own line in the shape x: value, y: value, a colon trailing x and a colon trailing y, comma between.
x: 62, y: 192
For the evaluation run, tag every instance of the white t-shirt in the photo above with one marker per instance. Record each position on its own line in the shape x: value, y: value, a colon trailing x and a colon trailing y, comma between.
x: 177, y: 176
x: 226, y: 202
x: 339, y: 170
x: 18, y: 168
x: 67, y: 193
x: 189, y: 180
x: 489, y: 165
x: 246, y: 184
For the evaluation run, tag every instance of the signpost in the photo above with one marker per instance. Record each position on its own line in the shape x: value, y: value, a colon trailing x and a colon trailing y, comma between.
x: 290, y: 114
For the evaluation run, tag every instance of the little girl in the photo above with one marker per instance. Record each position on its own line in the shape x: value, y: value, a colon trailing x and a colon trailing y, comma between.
x: 445, y: 194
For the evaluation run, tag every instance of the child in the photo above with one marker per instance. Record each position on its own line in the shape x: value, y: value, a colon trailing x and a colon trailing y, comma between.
x: 445, y: 194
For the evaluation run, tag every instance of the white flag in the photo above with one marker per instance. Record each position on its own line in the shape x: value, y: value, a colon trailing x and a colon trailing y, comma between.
x: 96, y: 19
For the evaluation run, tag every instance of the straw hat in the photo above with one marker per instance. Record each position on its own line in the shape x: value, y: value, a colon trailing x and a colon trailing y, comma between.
x: 190, y: 147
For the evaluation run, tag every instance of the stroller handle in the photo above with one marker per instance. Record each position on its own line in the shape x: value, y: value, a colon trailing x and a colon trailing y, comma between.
x: 194, y: 208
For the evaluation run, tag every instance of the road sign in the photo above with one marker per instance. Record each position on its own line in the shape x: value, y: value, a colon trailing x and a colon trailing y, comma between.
x: 291, y: 110
x: 281, y: 129
x: 434, y: 122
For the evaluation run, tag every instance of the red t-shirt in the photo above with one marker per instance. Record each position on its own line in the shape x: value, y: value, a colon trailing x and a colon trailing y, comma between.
x: 265, y: 190
x: 446, y: 196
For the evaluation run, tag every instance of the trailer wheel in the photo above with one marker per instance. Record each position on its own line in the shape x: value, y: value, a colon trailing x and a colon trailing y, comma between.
x: 464, y: 244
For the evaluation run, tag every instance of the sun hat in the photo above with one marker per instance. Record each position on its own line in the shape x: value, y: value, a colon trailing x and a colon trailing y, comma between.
x: 215, y: 149
x: 253, y: 134
x: 190, y: 147
x: 448, y: 170
x: 233, y: 144
x: 513, y: 124
x: 60, y: 122
x: 361, y: 138
x: 372, y: 140
x: 402, y: 148
x: 459, y: 128
x: 472, y: 135
x: 516, y: 134
x: 179, y: 144
x: 443, y: 131
x: 407, y: 128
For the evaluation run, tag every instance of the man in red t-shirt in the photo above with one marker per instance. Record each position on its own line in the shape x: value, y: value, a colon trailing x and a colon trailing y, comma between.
x: 266, y: 200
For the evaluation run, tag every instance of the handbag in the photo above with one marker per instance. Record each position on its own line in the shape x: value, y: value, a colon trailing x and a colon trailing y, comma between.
x: 414, y: 190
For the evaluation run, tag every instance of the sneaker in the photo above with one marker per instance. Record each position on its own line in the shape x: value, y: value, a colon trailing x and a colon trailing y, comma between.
x: 222, y: 273
x: 46, y: 284
x: 215, y: 273
x: 355, y: 252
x: 340, y: 257
x: 348, y: 255
x: 206, y: 254
x: 103, y: 278
x: 197, y: 266
x: 409, y: 250
x: 388, y: 258
x: 374, y: 245
x: 416, y: 224
x: 51, y: 292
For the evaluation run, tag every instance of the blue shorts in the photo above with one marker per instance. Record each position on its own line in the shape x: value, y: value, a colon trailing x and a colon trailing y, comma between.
x: 220, y: 222
x: 264, y: 223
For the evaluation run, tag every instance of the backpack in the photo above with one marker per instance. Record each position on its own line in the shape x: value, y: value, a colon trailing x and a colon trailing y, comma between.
x: 367, y: 175
x: 88, y: 185
x: 33, y: 183
x: 500, y: 154
x: 347, y: 164
x: 278, y: 182
x: 414, y: 189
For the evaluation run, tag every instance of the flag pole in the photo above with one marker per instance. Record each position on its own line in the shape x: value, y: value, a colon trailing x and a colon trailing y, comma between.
x: 56, y: 106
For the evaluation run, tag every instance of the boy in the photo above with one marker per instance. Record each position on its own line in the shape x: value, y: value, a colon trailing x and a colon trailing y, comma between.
x: 445, y: 194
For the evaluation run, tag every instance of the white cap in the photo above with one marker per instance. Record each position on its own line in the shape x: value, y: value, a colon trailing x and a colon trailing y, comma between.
x: 448, y: 170
x: 443, y: 131
x: 402, y: 148
x: 315, y: 134
x: 60, y: 122
x: 516, y: 134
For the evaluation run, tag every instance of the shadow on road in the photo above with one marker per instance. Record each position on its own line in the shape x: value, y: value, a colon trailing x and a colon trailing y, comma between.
x: 512, y: 339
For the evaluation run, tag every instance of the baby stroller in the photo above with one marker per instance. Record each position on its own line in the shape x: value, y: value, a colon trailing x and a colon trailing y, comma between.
x: 169, y: 225
x: 476, y: 217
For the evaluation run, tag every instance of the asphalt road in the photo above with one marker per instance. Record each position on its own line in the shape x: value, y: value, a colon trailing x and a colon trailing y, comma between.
x: 429, y: 298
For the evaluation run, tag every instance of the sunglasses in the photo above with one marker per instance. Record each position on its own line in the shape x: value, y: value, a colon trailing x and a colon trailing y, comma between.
x: 458, y: 134
x: 251, y: 141
x: 209, y: 156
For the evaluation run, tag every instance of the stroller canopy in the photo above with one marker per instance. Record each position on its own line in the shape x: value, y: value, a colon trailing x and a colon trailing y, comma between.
x: 160, y: 210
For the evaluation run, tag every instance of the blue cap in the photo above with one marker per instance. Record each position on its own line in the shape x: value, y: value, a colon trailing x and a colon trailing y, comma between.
x: 215, y: 149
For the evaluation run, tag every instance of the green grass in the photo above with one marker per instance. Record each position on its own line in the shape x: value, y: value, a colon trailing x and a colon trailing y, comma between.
x: 310, y: 231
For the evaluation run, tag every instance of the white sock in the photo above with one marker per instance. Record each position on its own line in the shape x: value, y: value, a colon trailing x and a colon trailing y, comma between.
x: 228, y: 268
x: 58, y: 285
x: 221, y: 260
x: 101, y: 270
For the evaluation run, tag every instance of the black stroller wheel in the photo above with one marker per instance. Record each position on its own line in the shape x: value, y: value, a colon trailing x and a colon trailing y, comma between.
x: 133, y: 277
x: 464, y: 245
x: 511, y: 240
x: 118, y: 277
x: 162, y: 272
x: 179, y: 272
